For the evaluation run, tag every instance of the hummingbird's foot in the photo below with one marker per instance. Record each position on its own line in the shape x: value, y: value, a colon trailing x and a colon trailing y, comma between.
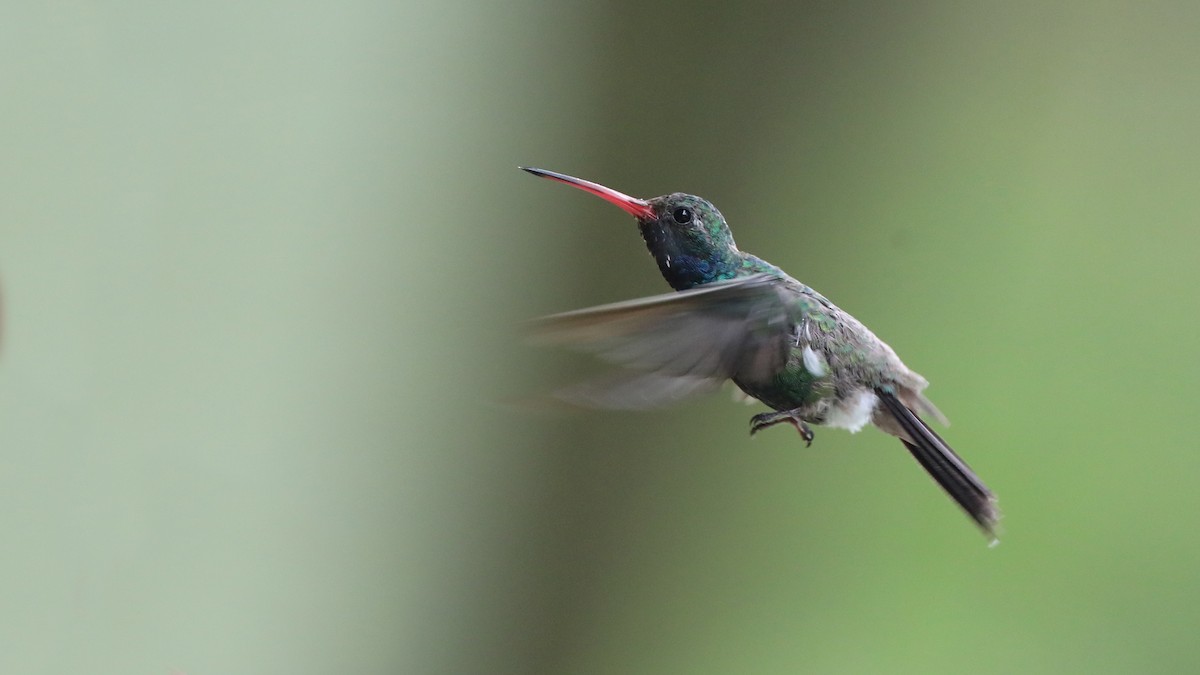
x: 806, y: 432
x: 763, y: 420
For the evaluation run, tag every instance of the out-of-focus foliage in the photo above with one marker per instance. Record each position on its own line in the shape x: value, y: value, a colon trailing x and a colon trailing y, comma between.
x: 262, y: 382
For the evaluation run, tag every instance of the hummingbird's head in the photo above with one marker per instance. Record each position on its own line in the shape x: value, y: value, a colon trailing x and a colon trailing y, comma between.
x: 689, y: 240
x: 687, y: 235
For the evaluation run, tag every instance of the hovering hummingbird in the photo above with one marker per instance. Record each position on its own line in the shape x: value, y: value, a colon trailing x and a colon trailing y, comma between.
x: 737, y: 317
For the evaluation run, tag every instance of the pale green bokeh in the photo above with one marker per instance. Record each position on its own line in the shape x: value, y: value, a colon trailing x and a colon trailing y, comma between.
x: 261, y: 381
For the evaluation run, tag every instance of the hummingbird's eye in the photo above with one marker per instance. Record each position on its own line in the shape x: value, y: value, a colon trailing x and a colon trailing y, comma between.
x: 682, y: 215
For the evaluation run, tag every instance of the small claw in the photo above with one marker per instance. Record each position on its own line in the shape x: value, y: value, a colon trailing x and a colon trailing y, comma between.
x: 806, y: 433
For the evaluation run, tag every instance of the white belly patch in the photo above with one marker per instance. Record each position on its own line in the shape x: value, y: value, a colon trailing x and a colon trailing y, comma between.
x: 854, y: 413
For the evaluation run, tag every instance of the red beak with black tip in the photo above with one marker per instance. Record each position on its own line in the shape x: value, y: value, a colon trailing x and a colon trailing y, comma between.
x: 638, y: 208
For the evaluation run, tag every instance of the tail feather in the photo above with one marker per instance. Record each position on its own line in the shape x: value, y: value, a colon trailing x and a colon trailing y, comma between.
x: 947, y: 468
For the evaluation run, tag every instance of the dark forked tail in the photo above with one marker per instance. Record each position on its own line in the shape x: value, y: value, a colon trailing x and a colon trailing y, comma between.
x: 947, y: 468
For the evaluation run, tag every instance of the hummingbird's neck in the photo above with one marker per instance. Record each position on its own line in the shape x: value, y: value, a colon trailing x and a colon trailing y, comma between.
x: 699, y: 251
x: 683, y: 271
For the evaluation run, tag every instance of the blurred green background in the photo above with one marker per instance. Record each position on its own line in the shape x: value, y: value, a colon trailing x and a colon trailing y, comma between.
x: 264, y: 266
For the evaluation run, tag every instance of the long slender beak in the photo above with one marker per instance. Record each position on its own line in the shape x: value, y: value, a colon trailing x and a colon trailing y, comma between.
x: 638, y: 208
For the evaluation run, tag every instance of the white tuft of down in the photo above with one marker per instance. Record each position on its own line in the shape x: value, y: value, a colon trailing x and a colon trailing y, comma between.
x: 854, y: 412
x: 814, y: 362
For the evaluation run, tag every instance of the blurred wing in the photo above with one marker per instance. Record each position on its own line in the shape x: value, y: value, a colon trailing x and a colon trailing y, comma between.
x: 678, y: 344
x: 632, y: 390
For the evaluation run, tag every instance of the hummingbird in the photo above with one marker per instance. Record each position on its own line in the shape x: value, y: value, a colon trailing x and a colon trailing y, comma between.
x: 734, y: 316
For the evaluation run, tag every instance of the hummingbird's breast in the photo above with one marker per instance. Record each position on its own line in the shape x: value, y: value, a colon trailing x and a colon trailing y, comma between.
x: 793, y: 387
x: 830, y: 371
